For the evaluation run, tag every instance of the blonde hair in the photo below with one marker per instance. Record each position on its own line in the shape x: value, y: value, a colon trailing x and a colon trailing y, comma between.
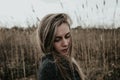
x: 47, y: 30
x: 46, y: 35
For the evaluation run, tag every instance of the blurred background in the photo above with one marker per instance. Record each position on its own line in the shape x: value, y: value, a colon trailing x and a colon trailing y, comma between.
x: 96, y: 40
x: 84, y: 13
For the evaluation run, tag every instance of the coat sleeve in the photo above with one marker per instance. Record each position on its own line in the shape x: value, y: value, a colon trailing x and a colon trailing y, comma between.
x: 47, y: 71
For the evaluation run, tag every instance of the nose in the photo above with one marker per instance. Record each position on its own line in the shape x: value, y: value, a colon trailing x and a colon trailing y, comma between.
x: 65, y: 42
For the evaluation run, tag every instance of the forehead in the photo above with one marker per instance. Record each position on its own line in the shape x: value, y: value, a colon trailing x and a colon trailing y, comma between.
x: 62, y: 29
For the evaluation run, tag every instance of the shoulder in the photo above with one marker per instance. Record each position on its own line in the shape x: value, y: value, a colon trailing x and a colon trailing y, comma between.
x: 47, y: 64
x: 47, y: 69
x: 47, y: 61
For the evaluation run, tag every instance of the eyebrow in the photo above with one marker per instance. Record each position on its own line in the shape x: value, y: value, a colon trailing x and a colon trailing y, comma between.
x: 60, y: 36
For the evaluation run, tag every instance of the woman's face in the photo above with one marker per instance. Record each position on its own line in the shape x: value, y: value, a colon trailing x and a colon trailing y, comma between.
x: 62, y: 39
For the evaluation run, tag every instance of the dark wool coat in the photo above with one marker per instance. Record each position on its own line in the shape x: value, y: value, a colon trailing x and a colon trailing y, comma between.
x: 49, y: 71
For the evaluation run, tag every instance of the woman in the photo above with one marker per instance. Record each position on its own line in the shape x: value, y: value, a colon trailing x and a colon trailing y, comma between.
x: 56, y: 43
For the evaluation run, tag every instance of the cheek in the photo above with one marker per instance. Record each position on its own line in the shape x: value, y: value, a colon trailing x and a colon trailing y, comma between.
x: 69, y: 41
x: 57, y: 46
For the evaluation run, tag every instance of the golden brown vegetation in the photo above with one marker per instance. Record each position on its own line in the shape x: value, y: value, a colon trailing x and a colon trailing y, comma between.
x: 97, y: 50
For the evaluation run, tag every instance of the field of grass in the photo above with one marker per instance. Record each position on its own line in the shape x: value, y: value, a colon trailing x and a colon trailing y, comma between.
x: 97, y: 51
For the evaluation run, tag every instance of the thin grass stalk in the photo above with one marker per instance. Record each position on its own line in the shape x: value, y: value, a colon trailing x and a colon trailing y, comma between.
x: 23, y: 62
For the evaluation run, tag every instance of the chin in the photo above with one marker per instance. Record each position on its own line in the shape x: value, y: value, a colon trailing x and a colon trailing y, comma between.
x: 64, y: 54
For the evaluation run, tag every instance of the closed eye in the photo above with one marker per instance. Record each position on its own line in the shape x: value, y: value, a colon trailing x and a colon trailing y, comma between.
x: 68, y: 35
x: 57, y: 39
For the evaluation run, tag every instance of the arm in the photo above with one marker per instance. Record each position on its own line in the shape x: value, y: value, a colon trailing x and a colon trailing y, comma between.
x: 47, y: 71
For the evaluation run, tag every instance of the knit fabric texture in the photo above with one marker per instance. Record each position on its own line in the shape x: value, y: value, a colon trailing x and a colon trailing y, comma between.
x: 49, y: 71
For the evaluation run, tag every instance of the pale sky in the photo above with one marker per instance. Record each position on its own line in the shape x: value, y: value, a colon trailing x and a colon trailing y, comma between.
x: 83, y: 12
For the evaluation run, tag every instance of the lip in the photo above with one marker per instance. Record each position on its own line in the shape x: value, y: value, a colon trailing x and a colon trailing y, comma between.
x: 65, y: 50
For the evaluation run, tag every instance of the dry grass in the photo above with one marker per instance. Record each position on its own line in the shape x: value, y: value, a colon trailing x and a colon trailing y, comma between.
x: 97, y: 51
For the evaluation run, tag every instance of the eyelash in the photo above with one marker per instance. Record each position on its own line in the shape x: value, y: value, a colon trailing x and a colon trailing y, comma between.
x: 67, y: 36
x: 57, y: 40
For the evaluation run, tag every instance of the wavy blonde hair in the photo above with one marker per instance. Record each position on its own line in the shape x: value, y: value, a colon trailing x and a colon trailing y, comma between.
x: 46, y: 34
